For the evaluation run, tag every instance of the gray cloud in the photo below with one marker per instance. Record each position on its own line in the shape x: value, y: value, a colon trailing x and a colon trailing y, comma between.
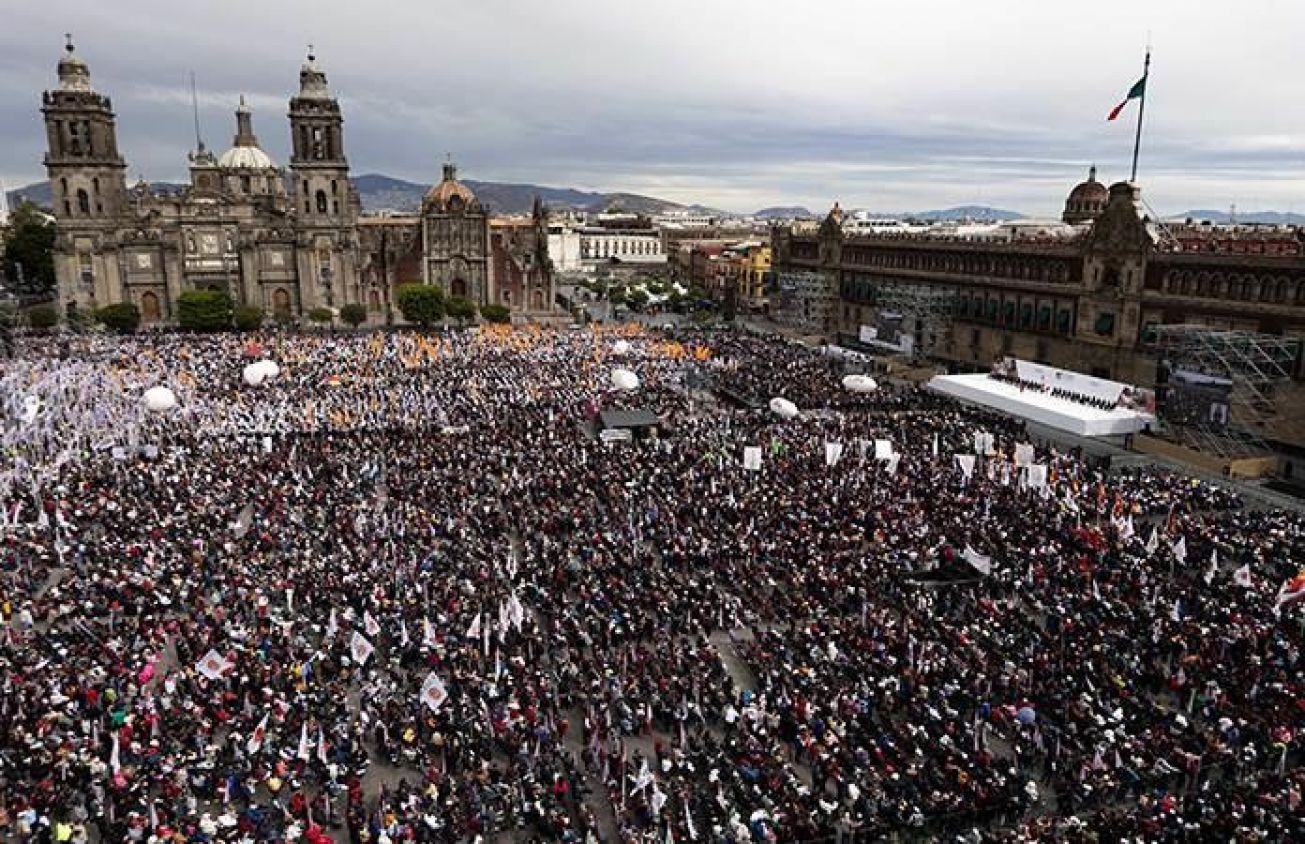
x: 733, y: 104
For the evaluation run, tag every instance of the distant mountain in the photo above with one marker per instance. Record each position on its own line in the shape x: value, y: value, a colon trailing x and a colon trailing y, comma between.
x: 783, y: 212
x: 385, y: 193
x: 1269, y: 218
x: 966, y: 212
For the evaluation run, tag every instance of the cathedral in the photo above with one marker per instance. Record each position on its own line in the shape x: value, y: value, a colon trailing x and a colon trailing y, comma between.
x: 286, y: 242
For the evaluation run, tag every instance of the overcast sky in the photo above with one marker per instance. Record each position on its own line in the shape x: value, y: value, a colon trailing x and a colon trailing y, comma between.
x: 737, y: 105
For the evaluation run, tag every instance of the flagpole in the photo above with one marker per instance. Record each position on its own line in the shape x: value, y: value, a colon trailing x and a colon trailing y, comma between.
x: 1141, y: 108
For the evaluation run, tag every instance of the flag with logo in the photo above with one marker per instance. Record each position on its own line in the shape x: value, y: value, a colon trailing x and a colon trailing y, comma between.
x: 433, y: 692
x: 360, y: 648
x: 213, y: 665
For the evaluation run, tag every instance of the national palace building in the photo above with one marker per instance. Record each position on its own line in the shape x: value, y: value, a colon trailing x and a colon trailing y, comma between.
x: 1083, y: 296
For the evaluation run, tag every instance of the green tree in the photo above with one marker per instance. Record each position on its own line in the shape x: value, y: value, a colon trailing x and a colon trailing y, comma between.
x: 29, y: 249
x: 320, y: 316
x: 248, y: 318
x: 422, y: 304
x: 496, y: 313
x: 123, y: 317
x: 460, y: 308
x: 637, y: 298
x: 42, y: 317
x: 353, y: 315
x: 204, y: 310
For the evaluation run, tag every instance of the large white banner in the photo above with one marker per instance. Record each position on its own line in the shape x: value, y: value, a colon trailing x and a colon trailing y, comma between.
x: 883, y: 450
x: 833, y: 453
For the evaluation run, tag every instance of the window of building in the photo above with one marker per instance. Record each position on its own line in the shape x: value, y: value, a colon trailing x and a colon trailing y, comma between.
x: 1026, y: 315
x: 1105, y: 324
x: 1044, y: 318
x: 246, y: 185
x: 83, y: 201
x: 1066, y: 321
x: 321, y: 202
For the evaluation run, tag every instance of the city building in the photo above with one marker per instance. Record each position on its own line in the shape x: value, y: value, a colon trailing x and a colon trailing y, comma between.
x: 1083, y: 296
x: 235, y: 228
x: 601, y: 245
x: 454, y: 243
x: 284, y: 240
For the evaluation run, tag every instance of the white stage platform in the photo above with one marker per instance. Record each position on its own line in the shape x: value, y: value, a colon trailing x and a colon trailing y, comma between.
x: 1039, y: 407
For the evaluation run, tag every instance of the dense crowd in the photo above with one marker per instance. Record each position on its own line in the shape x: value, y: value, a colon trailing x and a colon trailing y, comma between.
x: 400, y: 592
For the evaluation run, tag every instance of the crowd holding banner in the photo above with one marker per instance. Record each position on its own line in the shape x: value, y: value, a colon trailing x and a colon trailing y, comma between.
x: 398, y: 591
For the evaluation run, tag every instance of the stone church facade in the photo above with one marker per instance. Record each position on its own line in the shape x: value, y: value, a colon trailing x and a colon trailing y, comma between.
x: 287, y: 241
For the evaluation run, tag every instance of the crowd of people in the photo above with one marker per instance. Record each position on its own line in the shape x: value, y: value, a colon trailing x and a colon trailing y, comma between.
x: 400, y: 592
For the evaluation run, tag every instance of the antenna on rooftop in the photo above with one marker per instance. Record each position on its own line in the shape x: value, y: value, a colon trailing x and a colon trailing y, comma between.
x: 1232, y: 214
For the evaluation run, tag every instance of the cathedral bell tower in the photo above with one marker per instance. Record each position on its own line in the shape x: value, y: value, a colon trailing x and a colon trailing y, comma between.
x: 88, y: 183
x: 326, y: 205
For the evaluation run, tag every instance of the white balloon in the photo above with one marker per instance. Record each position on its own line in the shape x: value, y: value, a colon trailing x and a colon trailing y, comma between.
x: 254, y: 374
x: 624, y: 379
x: 269, y: 367
x: 160, y: 399
x: 783, y: 408
x: 860, y: 383
x: 621, y: 347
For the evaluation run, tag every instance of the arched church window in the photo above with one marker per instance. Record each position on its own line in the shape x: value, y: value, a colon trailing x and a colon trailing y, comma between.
x: 321, y: 202
x: 83, y: 201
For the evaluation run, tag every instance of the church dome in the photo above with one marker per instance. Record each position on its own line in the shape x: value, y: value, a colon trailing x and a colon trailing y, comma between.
x: 246, y: 158
x: 245, y: 153
x: 1087, y: 200
x: 450, y: 194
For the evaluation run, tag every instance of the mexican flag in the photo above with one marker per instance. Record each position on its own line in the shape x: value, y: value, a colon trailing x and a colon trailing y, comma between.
x: 1136, y: 92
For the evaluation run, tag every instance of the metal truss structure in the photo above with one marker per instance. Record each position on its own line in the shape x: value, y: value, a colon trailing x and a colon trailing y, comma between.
x: 932, y: 307
x: 1255, y: 364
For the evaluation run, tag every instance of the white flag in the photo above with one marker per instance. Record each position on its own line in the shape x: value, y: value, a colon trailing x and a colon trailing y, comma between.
x: 433, y: 693
x: 1242, y: 577
x: 966, y: 462
x: 360, y: 648
x: 935, y: 454
x: 657, y: 801
x: 321, y: 745
x: 473, y: 632
x: 370, y: 624
x: 516, y: 612
x: 1208, y: 577
x: 1024, y: 454
x: 305, y: 747
x: 1180, y: 549
x: 752, y: 458
x: 213, y: 665
x: 982, y: 564
x: 1153, y: 543
x: 643, y: 780
x: 891, y: 466
x: 403, y: 633
x: 332, y: 626
x: 833, y: 453
x: 883, y: 450
x: 1036, y: 476
x: 427, y: 633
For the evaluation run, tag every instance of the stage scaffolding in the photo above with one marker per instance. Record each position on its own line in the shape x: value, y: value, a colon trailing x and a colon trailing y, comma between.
x: 1256, y: 364
x: 931, y: 306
